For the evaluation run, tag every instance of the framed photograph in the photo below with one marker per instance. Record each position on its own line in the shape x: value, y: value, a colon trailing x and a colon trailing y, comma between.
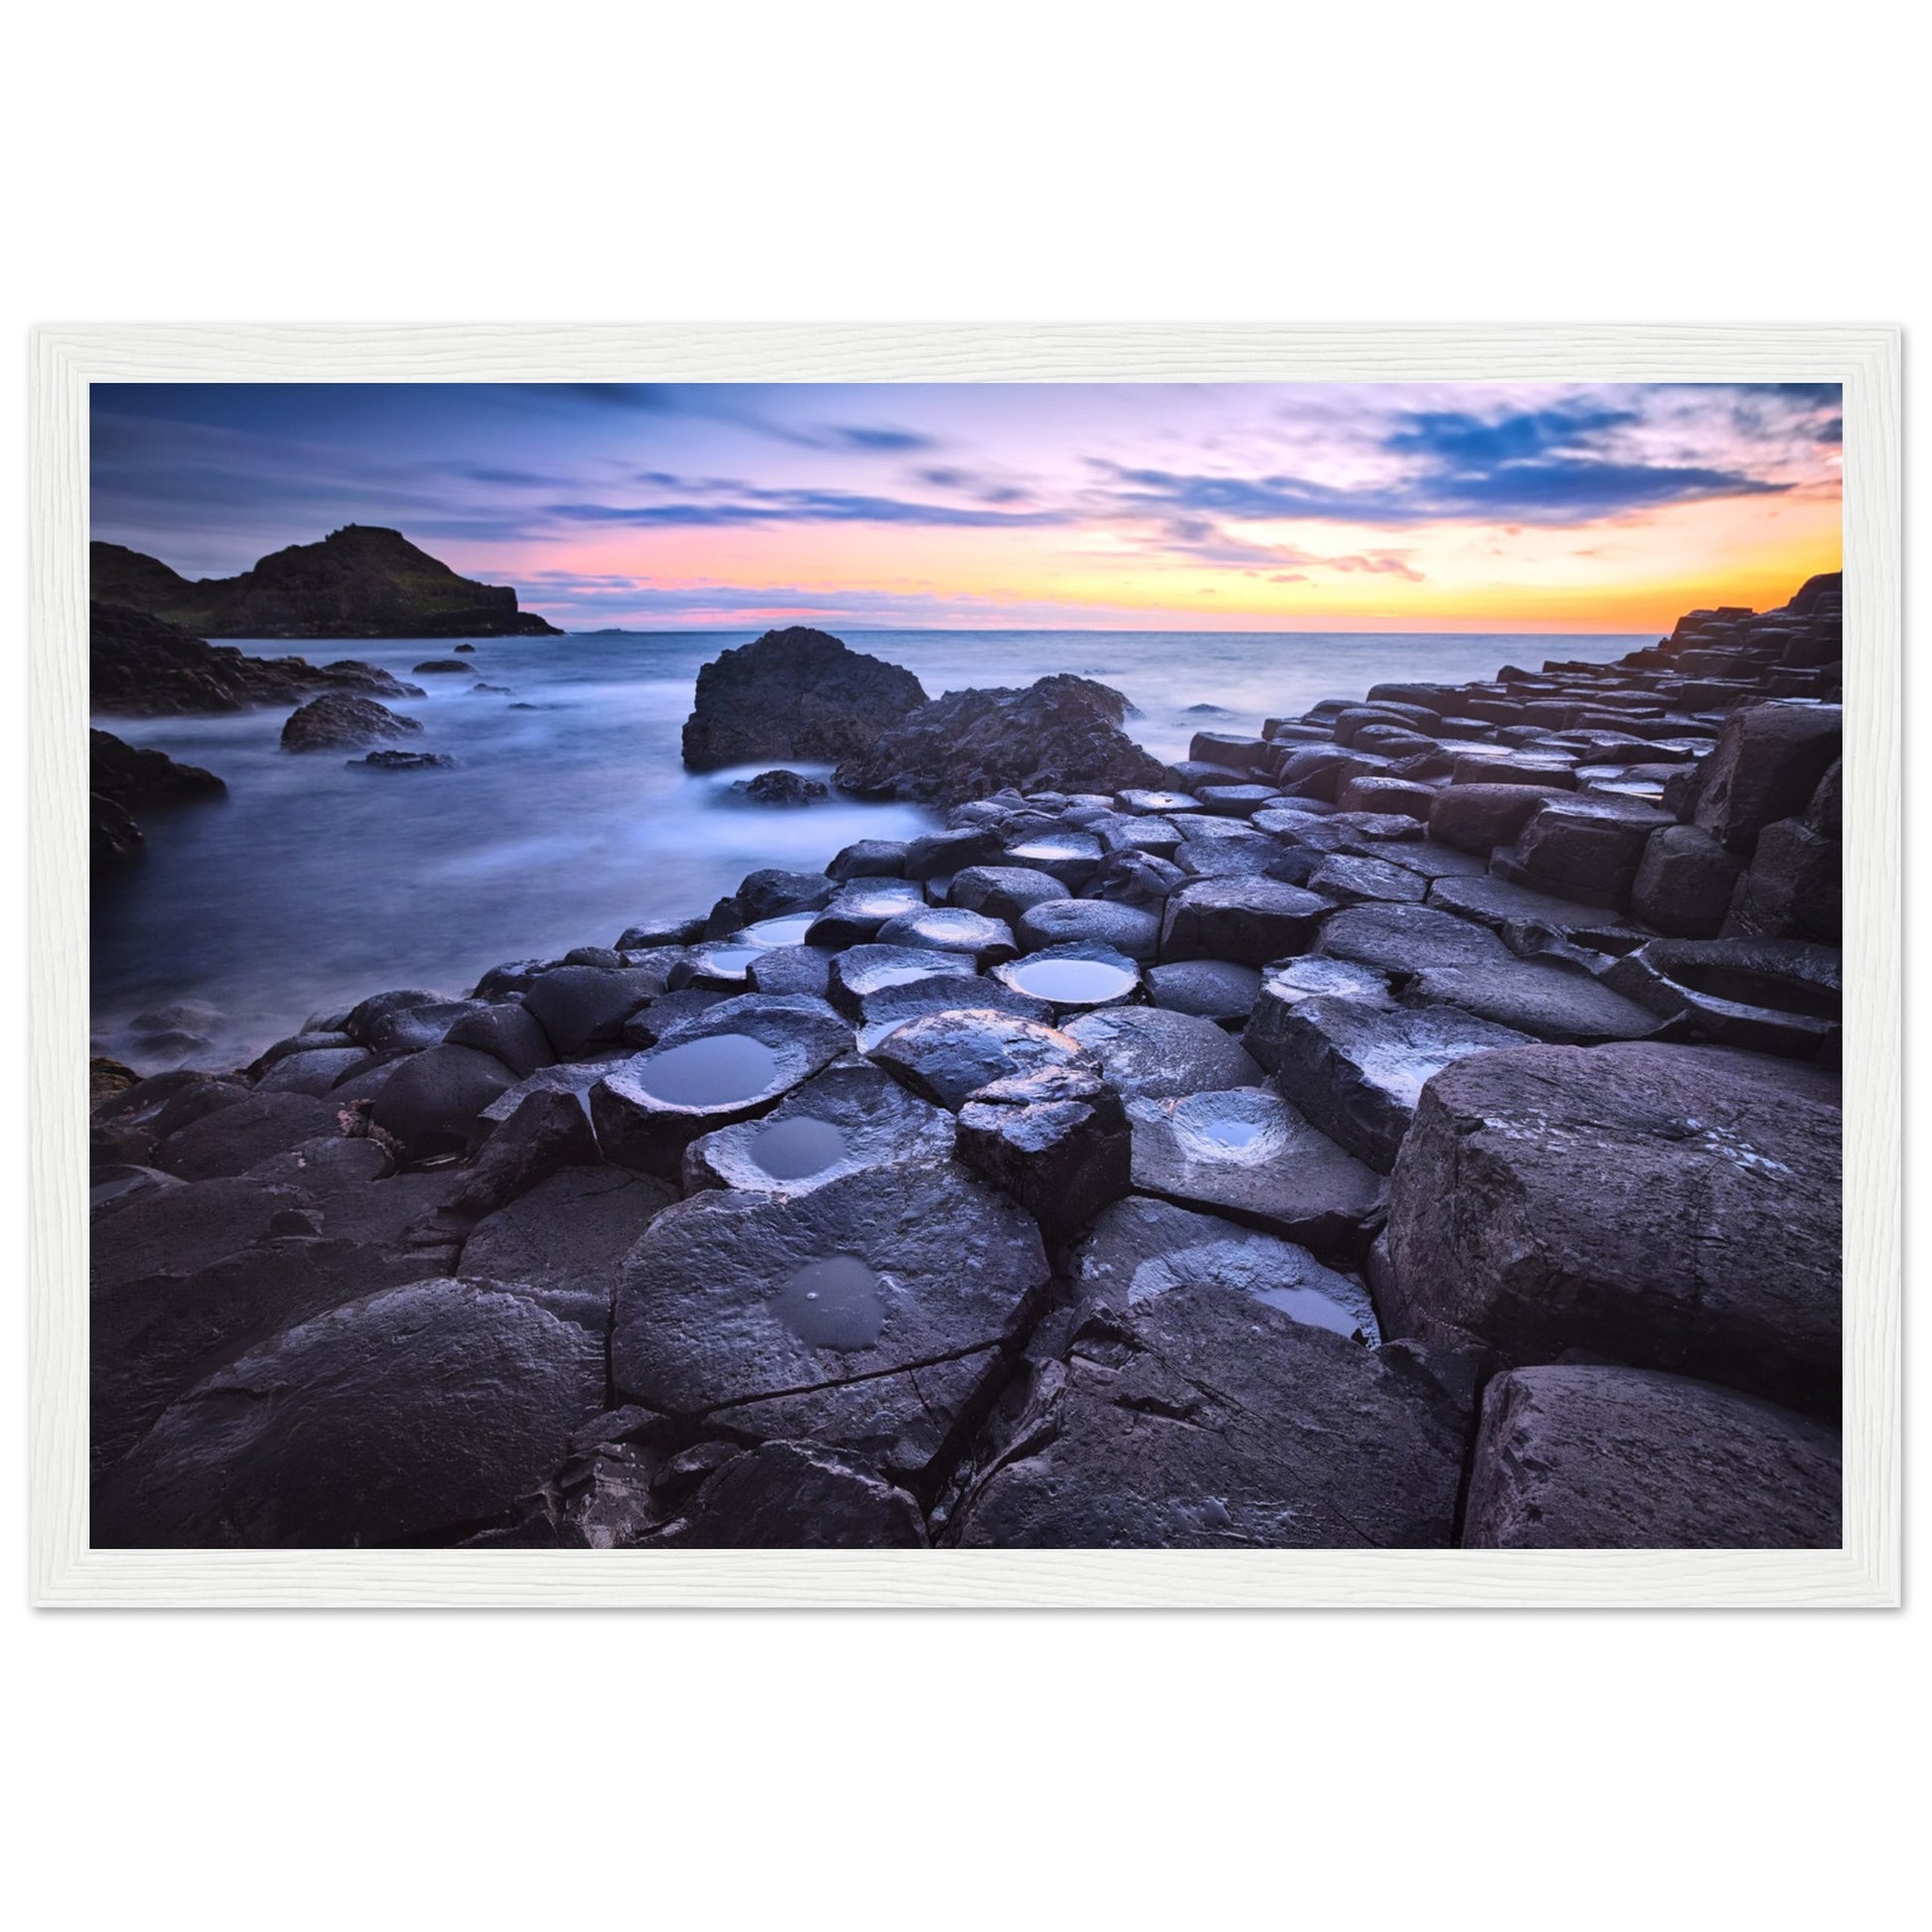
x: 966, y: 966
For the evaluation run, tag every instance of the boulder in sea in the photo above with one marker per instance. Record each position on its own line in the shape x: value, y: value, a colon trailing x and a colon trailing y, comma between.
x: 1062, y: 733
x: 781, y: 788
x: 402, y: 761
x: 121, y: 776
x: 337, y: 723
x: 796, y: 693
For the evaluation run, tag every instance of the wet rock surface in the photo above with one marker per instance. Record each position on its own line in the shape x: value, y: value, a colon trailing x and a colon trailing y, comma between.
x: 1595, y: 1459
x: 1249, y: 1154
x: 946, y: 1057
x: 1667, y: 1207
x: 1202, y: 1419
x: 1152, y: 1053
x: 732, y: 1063
x: 1140, y: 1248
x: 829, y: 1309
x: 852, y: 1115
x: 1358, y: 1071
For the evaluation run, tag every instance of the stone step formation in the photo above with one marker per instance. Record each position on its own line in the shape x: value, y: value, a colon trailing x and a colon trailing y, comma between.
x: 1410, y: 1124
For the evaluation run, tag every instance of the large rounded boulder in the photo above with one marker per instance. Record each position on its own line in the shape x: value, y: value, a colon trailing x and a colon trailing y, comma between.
x: 796, y: 693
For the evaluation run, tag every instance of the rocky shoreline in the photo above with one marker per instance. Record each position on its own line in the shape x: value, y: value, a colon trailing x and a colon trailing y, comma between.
x: 1412, y: 1124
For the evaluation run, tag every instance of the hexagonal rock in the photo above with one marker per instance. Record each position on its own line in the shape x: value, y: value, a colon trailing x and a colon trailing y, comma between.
x: 233, y: 1138
x: 797, y: 1496
x: 1556, y: 1003
x: 582, y: 1007
x: 951, y: 929
x: 1407, y: 940
x: 1585, y: 848
x: 435, y: 1101
x: 1508, y: 908
x: 1619, y: 1458
x: 939, y: 855
x: 1283, y: 988
x: 571, y: 1230
x: 861, y: 970
x: 1358, y: 1071
x: 1668, y: 1207
x: 1073, y: 979
x: 860, y: 909
x: 1249, y: 921
x: 869, y: 858
x: 1351, y: 881
x: 1140, y: 1248
x: 1140, y: 801
x: 1220, y: 990
x: 1235, y: 752
x: 1793, y: 889
x: 1056, y: 1140
x: 1004, y: 892
x: 1152, y: 1054
x: 1480, y: 817
x: 854, y: 1115
x: 731, y: 1063
x: 1247, y: 1153
x: 1373, y: 794
x: 946, y: 1057
x: 1070, y: 857
x: 865, y: 1314
x: 1128, y: 929
x: 885, y: 1012
x: 1769, y: 996
x: 1206, y: 1420
x: 1767, y: 762
x: 1684, y: 883
x: 403, y: 1415
x: 509, y: 1030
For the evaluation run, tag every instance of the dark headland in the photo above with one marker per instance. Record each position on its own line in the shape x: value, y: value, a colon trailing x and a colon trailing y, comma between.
x: 1414, y: 1123
x: 358, y: 582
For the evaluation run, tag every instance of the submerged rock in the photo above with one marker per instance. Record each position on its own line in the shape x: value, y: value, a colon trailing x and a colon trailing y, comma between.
x: 339, y: 723
x: 1592, y: 1459
x: 782, y: 788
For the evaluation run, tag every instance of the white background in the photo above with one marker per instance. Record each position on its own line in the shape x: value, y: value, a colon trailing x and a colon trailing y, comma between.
x: 1682, y: 162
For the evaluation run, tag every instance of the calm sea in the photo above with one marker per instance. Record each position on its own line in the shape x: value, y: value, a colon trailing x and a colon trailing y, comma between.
x: 313, y: 884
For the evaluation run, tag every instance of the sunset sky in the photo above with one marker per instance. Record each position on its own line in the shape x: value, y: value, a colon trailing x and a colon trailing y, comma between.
x: 1399, y: 506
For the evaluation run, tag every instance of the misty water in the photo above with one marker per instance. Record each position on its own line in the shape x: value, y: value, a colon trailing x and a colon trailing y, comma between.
x: 313, y: 884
